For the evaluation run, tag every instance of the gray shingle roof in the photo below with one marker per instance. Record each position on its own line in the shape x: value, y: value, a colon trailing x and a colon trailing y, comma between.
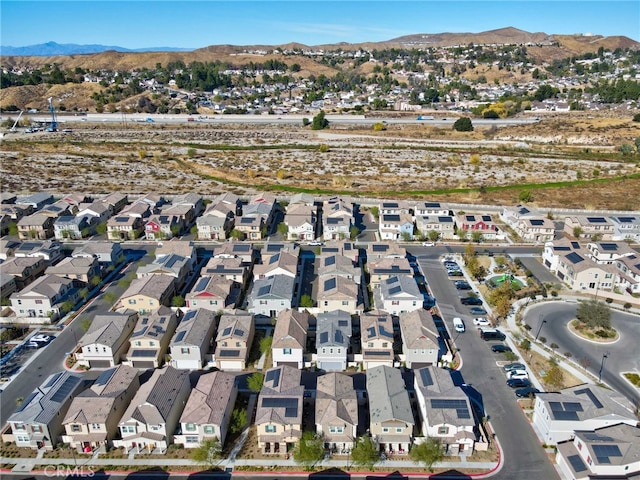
x: 209, y: 399
x: 388, y: 397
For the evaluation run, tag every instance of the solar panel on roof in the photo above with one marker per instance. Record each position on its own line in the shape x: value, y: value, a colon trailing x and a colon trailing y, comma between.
x: 536, y: 222
x: 597, y: 437
x: 371, y: 332
x: 379, y: 353
x: 596, y: 220
x: 239, y: 333
x: 104, y: 377
x: 432, y: 205
x: 425, y: 375
x: 576, y: 463
x: 609, y: 246
x: 555, y: 406
x: 394, y: 290
x: 445, y: 219
x: 590, y: 394
x: 574, y: 258
x: 26, y: 402
x: 562, y: 415
x: 64, y: 390
x: 53, y: 380
x: 273, y: 376
x: 463, y: 413
x: 391, y: 218
x: 380, y: 248
x: 122, y: 219
x: 470, y: 218
x: 329, y: 261
x: 180, y: 336
x: 447, y: 403
x: 486, y: 218
x: 330, y: 284
x: 572, y: 407
x: 324, y: 337
x: 626, y: 219
x: 384, y: 333
x: 575, y: 245
x: 144, y: 353
x: 202, y: 284
x: 343, y: 323
x: 264, y: 290
x: 229, y: 353
x: 390, y: 205
x: 227, y: 331
x: 603, y: 452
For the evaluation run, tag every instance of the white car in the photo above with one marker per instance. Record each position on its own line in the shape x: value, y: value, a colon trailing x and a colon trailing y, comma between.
x: 41, y: 338
x: 428, y: 244
x: 518, y: 374
x: 481, y: 322
x: 315, y: 244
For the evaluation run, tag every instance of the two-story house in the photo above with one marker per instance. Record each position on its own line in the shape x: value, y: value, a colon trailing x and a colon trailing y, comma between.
x: 173, y: 265
x: 150, y: 339
x: 192, y: 342
x: 339, y: 293
x: 376, y: 330
x: 399, y: 294
x: 107, y: 340
x: 271, y: 295
x: 333, y: 339
x: 91, y: 423
x: 148, y: 293
x: 396, y: 227
x: 590, y: 227
x: 37, y: 423
x: 214, y: 293
x: 82, y: 269
x: 125, y: 227
x: 149, y: 423
x: 207, y: 413
x: 35, y: 226
x: 233, y: 341
x: 278, y: 417
x: 445, y: 410
x: 421, y: 344
x: 301, y: 220
x: 24, y: 270
x: 290, y: 338
x: 336, y: 412
x: 47, y: 298
x: 390, y: 416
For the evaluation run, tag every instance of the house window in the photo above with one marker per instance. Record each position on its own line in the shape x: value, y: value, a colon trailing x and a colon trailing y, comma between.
x: 190, y: 427
x: 194, y: 302
x: 270, y: 428
x: 399, y: 429
x: 132, y: 301
x: 191, y: 439
x: 385, y: 345
x: 286, y: 351
x: 213, y: 302
x: 395, y: 302
x: 38, y: 302
x: 155, y: 427
x: 128, y: 429
x: 19, y: 426
x: 184, y: 350
x: 369, y: 344
x: 238, y: 344
x: 95, y: 426
x: 324, y: 350
x: 333, y: 429
x: 385, y: 430
x: 36, y: 428
x: 263, y: 302
x: 76, y: 428
x: 137, y: 343
x: 209, y: 430
x: 152, y: 343
x: 443, y: 430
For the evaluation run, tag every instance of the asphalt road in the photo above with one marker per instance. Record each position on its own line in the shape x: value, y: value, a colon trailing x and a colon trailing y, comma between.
x: 524, y: 458
x: 622, y: 356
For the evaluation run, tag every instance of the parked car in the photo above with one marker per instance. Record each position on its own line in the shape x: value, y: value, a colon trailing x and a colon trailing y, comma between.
x: 428, y: 244
x: 519, y: 382
x: 42, y: 338
x: 315, y: 243
x: 454, y: 273
x: 477, y: 311
x: 462, y: 285
x: 527, y: 392
x: 481, y: 322
x: 514, y: 366
x: 500, y: 348
x: 518, y: 374
x: 471, y: 301
x: 452, y: 265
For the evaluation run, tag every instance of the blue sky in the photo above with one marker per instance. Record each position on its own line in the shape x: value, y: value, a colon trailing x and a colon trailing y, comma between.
x: 199, y: 23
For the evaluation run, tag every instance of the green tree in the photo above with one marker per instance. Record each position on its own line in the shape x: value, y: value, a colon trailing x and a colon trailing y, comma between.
x: 463, y: 124
x: 433, y: 235
x: 265, y: 344
x: 636, y: 117
x: 208, y: 453
x: 554, y: 376
x: 305, y: 121
x: 594, y: 314
x: 283, y: 229
x: 306, y: 301
x: 427, y: 452
x: 365, y: 452
x: 525, y: 196
x: 309, y: 450
x: 255, y: 381
x: 110, y: 297
x: 577, y: 231
x: 238, y: 420
x: 13, y: 228
x: 476, y: 236
x: 236, y: 234
x: 319, y: 121
x: 354, y: 232
x: 177, y: 301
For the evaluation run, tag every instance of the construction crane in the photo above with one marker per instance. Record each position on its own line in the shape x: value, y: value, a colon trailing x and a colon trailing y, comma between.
x: 54, y: 123
x: 13, y: 129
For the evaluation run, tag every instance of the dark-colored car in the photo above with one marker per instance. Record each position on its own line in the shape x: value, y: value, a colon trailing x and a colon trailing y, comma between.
x: 471, y: 301
x: 477, y: 311
x: 500, y: 348
x: 518, y: 383
x: 462, y: 285
x: 514, y: 366
x: 527, y: 392
x: 454, y: 273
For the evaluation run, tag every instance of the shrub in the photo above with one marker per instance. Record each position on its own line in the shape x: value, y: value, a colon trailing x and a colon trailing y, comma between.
x: 543, y: 339
x: 463, y: 124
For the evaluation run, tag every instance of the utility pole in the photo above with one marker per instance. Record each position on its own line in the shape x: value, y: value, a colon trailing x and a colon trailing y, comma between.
x: 604, y: 357
x: 540, y: 328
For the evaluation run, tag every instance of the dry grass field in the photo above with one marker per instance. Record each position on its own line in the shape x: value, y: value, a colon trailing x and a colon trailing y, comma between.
x: 488, y: 166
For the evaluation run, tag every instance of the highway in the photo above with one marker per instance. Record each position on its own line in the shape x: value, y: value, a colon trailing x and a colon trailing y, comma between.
x: 152, y: 120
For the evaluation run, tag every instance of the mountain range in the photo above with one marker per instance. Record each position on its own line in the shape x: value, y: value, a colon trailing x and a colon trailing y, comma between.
x: 50, y: 49
x: 508, y: 35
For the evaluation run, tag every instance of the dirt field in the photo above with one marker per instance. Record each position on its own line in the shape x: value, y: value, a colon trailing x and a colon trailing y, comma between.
x: 476, y: 167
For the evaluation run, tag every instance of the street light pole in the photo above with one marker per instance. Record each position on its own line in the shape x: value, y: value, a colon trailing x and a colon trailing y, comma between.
x: 604, y: 357
x: 539, y: 329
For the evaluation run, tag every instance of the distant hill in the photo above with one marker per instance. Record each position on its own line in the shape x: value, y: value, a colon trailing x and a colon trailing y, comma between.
x: 50, y: 49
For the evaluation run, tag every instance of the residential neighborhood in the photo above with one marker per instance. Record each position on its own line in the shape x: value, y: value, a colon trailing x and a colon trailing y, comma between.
x: 341, y: 329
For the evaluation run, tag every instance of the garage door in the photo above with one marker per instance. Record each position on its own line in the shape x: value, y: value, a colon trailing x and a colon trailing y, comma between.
x: 331, y: 366
x: 143, y: 364
x: 99, y: 364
